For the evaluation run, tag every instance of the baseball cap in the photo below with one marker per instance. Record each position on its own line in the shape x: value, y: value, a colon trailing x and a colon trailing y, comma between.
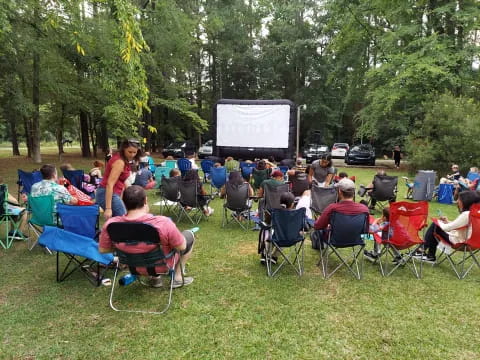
x: 277, y: 173
x: 345, y: 184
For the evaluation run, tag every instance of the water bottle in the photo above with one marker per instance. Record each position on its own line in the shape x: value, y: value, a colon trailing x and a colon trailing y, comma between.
x: 194, y: 230
x: 127, y: 279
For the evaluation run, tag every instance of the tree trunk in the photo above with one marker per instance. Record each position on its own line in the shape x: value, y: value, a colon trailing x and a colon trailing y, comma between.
x: 84, y: 138
x: 34, y: 133
x: 13, y: 131
x: 60, y: 131
x: 103, y: 138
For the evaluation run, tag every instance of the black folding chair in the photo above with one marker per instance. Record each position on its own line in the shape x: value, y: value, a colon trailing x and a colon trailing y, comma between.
x: 237, y: 203
x: 170, y: 193
x: 191, y: 205
x: 285, y: 232
x: 271, y: 198
x: 321, y: 197
x: 346, y: 231
x: 154, y: 262
x: 384, y: 190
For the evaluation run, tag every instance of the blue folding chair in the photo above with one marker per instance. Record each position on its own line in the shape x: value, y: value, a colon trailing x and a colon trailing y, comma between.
x: 346, y: 231
x: 285, y: 231
x: 445, y: 193
x: 26, y: 180
x: 81, y: 251
x: 247, y: 169
x: 81, y: 220
x: 207, y: 166
x: 184, y: 165
x: 75, y: 177
x: 218, y: 178
x: 161, y: 171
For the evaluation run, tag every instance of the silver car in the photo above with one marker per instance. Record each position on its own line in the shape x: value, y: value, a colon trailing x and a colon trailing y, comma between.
x: 206, y: 149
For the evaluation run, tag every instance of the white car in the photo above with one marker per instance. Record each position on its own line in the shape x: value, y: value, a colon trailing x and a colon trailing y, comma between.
x: 339, y: 150
x: 206, y: 149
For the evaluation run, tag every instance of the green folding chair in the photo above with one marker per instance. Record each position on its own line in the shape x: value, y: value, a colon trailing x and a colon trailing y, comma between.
x: 42, y: 213
x: 10, y: 218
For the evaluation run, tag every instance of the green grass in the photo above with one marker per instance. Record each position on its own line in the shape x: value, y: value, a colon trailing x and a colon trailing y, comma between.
x: 232, y: 310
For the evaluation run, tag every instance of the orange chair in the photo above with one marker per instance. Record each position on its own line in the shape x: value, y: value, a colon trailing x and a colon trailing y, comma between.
x: 403, y: 240
x: 469, y: 248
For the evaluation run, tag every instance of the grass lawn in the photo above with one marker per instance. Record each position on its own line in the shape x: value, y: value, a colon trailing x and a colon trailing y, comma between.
x: 232, y: 310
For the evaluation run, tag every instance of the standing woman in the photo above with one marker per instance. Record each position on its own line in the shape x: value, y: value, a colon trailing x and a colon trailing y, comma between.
x: 397, y: 155
x: 321, y: 171
x: 109, y: 192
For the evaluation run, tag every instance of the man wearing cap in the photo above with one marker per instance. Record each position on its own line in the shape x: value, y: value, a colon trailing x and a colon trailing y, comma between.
x: 345, y: 205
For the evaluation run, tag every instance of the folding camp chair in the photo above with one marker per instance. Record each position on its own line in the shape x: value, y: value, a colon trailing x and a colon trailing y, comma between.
x: 170, y: 194
x: 154, y: 262
x: 346, y: 231
x: 218, y: 178
x: 271, y: 199
x: 75, y: 177
x: 406, y: 220
x: 384, y: 190
x: 247, y: 169
x: 26, y: 180
x: 286, y: 231
x: 259, y: 176
x: 321, y: 197
x: 468, y: 249
x: 81, y: 251
x: 284, y: 169
x: 160, y: 172
x: 206, y: 166
x: 171, y: 164
x: 189, y: 204
x: 184, y: 165
x: 238, y: 204
x: 11, y: 218
x: 42, y: 213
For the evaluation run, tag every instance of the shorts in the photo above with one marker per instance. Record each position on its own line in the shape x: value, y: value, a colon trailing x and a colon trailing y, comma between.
x: 118, y: 207
x: 190, y: 239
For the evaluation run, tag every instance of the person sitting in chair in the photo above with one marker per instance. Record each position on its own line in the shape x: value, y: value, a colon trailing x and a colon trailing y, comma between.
x: 135, y: 200
x: 345, y: 205
x: 49, y: 186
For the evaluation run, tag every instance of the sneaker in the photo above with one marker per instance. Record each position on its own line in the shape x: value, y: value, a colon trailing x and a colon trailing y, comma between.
x: 156, y: 281
x: 209, y: 211
x: 370, y: 255
x: 428, y: 259
x: 186, y: 281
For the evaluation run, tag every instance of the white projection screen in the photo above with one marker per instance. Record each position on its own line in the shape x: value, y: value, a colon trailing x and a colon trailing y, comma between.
x: 258, y: 125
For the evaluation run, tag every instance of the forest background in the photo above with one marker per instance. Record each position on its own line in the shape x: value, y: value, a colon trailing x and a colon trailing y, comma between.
x: 390, y: 72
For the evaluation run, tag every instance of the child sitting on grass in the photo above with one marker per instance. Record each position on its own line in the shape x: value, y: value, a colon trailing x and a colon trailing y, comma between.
x: 379, y: 227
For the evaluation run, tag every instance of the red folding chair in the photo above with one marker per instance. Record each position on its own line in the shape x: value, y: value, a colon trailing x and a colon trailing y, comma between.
x: 468, y: 249
x: 406, y: 221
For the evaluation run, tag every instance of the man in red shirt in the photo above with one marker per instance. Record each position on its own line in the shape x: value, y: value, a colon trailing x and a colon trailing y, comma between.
x: 135, y: 200
x: 346, y: 205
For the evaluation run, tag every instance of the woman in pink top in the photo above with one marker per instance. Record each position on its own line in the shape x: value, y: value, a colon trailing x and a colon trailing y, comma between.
x: 109, y: 192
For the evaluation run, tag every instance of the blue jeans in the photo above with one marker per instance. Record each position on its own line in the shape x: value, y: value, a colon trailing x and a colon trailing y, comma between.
x: 118, y: 207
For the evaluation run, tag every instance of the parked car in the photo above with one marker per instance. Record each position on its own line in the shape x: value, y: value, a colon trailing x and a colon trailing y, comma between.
x: 313, y: 152
x: 339, y: 150
x: 206, y: 149
x: 360, y: 154
x: 179, y: 149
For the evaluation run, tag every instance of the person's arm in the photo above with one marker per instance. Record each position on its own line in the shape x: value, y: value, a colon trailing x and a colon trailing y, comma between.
x: 250, y: 190
x: 310, y: 175
x: 459, y: 222
x: 328, y: 179
x: 323, y: 221
x: 12, y: 199
x: 260, y: 191
x: 117, y: 168
x: 105, y: 243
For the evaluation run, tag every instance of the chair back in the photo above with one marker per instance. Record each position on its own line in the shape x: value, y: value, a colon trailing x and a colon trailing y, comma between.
x: 474, y: 218
x: 472, y: 176
x: 81, y: 220
x: 42, y: 209
x: 188, y: 193
x: 75, y: 177
x: 384, y: 187
x: 170, y: 188
x: 288, y: 226
x: 348, y: 230
x: 406, y: 220
x: 299, y: 183
x: 283, y: 169
x: 161, y: 172
x: 127, y: 236
x: 27, y: 179
x: 445, y: 193
x: 171, y: 164
x: 272, y: 195
x: 236, y: 196
x: 321, y: 197
x: 259, y: 176
x: 206, y: 166
x: 218, y: 177
x: 184, y: 165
